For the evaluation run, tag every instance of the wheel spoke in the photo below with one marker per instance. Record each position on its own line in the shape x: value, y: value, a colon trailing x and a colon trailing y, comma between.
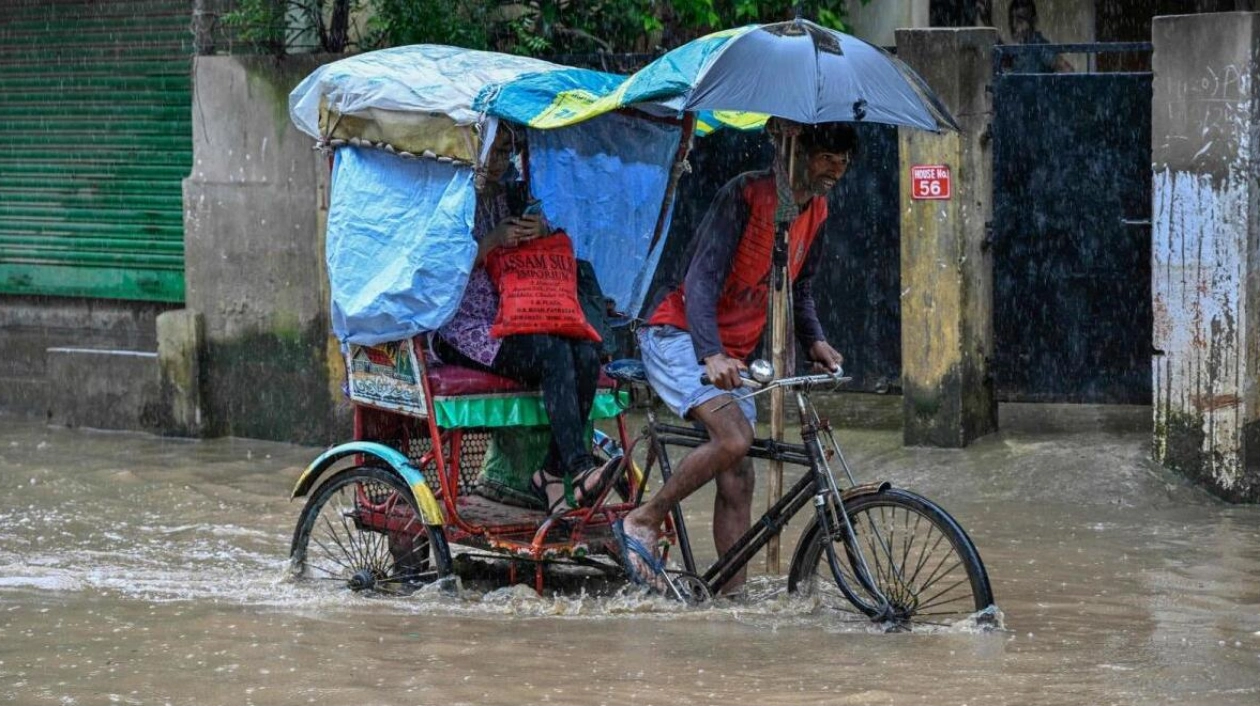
x: 938, y: 572
x: 931, y: 601
x: 331, y: 574
x: 349, y: 553
x: 926, y: 552
x: 330, y: 555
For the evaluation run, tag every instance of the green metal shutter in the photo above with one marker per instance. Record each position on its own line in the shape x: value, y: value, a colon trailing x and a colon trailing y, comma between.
x: 95, y: 140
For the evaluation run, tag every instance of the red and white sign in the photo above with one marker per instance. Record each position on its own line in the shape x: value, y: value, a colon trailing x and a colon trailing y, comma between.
x: 930, y: 181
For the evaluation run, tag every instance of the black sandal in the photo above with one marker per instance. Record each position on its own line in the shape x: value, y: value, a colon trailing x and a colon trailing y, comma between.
x: 539, y: 484
x: 542, y: 481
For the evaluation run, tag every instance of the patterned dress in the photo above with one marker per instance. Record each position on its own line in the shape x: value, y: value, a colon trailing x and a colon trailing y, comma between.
x: 468, y: 332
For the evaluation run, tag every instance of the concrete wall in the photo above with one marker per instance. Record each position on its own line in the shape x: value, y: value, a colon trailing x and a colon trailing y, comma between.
x: 1205, y: 150
x: 878, y: 22
x: 1061, y: 21
x: 253, y: 243
x: 29, y: 326
x: 946, y: 265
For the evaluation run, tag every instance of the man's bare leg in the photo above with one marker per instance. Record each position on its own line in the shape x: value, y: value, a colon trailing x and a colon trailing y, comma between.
x: 730, y: 436
x: 732, y: 513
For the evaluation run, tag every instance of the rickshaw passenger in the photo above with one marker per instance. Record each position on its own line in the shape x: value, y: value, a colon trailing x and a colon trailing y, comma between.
x: 711, y: 328
x: 566, y: 369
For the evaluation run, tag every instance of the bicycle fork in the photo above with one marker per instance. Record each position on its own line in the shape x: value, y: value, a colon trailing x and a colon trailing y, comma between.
x: 829, y: 495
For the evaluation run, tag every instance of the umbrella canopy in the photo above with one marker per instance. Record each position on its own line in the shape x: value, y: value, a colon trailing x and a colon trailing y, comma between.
x: 796, y: 70
x: 807, y: 73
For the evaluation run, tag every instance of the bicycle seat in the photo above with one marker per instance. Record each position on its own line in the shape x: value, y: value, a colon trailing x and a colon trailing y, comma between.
x: 626, y: 370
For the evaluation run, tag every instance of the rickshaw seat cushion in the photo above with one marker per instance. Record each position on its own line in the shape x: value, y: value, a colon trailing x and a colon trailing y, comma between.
x: 449, y: 380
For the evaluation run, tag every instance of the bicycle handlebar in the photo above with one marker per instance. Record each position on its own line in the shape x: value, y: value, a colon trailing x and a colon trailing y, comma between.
x: 805, y: 382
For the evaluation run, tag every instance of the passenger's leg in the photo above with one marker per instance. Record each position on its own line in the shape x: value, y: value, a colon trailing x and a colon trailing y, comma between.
x: 548, y: 362
x: 586, y: 360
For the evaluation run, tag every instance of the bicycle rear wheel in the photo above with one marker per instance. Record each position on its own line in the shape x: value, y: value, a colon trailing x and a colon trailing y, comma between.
x: 362, y: 530
x: 918, y: 557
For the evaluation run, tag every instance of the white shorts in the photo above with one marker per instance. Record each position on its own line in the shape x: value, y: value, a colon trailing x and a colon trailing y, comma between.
x: 670, y: 360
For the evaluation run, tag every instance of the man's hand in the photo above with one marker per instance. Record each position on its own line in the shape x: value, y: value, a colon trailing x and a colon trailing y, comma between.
x: 724, y: 371
x: 825, y: 358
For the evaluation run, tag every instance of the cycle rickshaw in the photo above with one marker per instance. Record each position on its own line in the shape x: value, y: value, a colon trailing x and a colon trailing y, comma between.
x: 406, y: 126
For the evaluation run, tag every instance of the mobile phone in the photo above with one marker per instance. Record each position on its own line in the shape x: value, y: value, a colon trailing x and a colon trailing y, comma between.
x: 532, y: 208
x: 517, y: 196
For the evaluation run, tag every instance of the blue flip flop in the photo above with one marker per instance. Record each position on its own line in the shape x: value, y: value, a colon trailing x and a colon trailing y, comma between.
x: 627, y: 545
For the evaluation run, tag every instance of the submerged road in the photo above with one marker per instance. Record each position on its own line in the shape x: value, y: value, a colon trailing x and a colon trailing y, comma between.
x: 136, y: 569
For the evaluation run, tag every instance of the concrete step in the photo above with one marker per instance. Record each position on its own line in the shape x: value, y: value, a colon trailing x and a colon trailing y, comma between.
x: 108, y: 389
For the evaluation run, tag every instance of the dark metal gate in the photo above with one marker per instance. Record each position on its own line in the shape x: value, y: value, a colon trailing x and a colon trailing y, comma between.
x: 1071, y: 238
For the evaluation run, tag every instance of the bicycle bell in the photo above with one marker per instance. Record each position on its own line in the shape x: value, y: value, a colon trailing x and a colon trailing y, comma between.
x: 761, y: 371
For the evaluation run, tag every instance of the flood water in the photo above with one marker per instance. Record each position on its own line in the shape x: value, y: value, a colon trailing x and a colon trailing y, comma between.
x: 137, y: 569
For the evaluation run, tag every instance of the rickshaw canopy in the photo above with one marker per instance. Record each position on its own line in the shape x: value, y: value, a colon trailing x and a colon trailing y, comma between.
x: 417, y: 99
x: 399, y: 244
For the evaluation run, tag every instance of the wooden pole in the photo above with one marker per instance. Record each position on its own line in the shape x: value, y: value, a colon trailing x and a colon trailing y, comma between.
x: 780, y: 310
x: 675, y: 172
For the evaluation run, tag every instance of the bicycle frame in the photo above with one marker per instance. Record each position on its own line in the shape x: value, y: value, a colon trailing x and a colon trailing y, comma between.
x: 819, y: 484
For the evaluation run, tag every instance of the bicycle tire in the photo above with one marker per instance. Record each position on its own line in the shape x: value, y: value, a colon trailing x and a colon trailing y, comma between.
x: 919, y: 557
x: 363, y: 529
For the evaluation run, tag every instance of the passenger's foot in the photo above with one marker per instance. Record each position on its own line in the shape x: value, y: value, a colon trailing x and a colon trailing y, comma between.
x: 587, y: 486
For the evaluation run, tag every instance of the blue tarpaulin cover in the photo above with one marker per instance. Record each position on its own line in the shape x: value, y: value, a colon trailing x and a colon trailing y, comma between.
x: 399, y: 243
x: 603, y: 181
x: 399, y: 248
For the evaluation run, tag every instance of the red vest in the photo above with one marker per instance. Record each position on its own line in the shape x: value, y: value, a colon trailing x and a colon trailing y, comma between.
x: 741, y: 307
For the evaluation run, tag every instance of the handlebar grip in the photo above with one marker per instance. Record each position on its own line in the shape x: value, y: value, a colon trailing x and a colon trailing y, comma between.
x: 748, y: 381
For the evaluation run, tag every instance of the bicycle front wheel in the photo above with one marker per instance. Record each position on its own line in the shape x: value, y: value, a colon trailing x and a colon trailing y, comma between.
x: 915, y: 554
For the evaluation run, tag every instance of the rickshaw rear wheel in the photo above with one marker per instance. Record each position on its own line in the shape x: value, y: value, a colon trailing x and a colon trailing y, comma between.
x: 363, y: 530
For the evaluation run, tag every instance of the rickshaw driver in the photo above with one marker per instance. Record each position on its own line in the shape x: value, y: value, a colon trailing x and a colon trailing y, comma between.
x: 714, y: 320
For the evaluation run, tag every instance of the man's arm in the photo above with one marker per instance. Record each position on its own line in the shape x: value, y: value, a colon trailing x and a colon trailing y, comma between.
x: 718, y: 238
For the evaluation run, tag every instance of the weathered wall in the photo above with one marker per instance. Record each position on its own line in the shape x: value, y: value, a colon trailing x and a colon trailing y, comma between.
x: 1206, y: 248
x: 254, y: 254
x: 946, y: 266
x: 878, y: 22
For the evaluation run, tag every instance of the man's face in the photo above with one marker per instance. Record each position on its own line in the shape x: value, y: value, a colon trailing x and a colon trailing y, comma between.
x: 823, y: 169
x: 500, y: 157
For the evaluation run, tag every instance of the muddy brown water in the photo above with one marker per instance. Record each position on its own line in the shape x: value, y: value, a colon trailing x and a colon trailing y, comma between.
x: 137, y: 569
